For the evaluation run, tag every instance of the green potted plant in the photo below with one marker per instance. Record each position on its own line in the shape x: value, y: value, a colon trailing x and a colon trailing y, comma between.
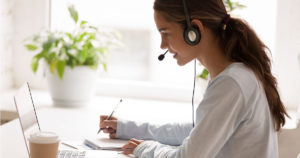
x: 72, y: 59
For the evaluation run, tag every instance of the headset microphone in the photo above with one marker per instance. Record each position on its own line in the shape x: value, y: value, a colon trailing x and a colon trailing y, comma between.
x: 162, y: 56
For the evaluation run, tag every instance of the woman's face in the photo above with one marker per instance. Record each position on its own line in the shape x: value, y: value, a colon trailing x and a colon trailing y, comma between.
x: 172, y: 39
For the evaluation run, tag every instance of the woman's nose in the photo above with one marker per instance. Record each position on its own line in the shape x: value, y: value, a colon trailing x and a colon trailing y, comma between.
x: 163, y: 44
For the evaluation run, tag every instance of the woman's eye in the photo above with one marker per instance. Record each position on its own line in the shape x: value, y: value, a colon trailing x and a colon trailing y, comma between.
x: 165, y: 34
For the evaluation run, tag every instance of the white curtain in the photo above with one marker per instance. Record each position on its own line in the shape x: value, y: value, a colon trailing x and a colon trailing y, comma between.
x: 6, y: 46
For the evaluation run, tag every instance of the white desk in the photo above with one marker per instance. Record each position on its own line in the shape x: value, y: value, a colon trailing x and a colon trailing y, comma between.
x: 76, y: 123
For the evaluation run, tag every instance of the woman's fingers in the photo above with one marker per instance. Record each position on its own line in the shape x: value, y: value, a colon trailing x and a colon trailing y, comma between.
x: 129, y: 147
x: 112, y: 135
x: 109, y: 124
x: 109, y: 130
x: 103, y: 117
x: 136, y: 141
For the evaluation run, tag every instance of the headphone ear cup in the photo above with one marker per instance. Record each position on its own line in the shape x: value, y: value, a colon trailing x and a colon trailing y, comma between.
x: 192, y: 35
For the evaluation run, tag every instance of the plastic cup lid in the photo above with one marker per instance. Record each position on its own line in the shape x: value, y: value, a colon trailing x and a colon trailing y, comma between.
x: 44, y: 137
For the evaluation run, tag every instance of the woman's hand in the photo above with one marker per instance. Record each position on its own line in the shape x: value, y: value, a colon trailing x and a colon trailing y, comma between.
x: 131, y: 145
x: 109, y: 126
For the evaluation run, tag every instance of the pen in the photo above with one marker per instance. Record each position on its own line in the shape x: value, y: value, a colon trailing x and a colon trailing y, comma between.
x: 69, y: 145
x: 108, y: 118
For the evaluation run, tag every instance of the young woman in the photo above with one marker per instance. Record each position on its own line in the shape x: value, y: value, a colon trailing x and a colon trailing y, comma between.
x: 241, y: 110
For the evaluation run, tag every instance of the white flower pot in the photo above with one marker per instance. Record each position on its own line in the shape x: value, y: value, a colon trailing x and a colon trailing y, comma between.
x: 75, y: 89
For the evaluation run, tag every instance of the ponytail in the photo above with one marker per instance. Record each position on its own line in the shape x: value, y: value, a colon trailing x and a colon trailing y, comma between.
x: 241, y: 44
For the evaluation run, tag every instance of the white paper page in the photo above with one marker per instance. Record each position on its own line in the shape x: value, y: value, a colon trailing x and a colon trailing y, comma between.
x: 102, y: 143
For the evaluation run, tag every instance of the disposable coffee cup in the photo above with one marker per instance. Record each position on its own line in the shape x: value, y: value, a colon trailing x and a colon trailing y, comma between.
x: 43, y: 145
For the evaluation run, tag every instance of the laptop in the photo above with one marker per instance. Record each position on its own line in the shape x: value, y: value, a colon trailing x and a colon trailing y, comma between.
x: 30, y: 124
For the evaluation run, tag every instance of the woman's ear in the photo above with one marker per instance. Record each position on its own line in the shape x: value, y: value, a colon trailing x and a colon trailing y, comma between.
x: 197, y: 23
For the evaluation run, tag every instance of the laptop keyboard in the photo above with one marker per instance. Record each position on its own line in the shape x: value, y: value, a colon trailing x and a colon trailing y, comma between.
x: 70, y: 154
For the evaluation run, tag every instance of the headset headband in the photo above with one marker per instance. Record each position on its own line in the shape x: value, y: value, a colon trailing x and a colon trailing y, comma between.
x: 187, y: 18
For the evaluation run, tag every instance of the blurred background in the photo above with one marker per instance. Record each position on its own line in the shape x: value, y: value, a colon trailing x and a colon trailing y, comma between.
x: 133, y: 70
x: 136, y: 65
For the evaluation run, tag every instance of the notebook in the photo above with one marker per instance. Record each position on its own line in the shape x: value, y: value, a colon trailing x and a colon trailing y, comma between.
x: 97, y: 143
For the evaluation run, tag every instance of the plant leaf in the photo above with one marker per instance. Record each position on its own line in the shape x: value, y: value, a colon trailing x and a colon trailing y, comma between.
x: 35, y: 61
x: 49, y: 57
x: 104, y: 66
x: 231, y: 6
x: 34, y: 64
x: 60, y: 67
x: 93, y: 27
x: 240, y: 6
x: 102, y: 50
x: 82, y: 23
x: 53, y: 66
x: 69, y: 35
x: 31, y: 47
x: 73, y: 13
x: 47, y: 45
x: 204, y: 74
x: 84, y: 54
x: 81, y: 36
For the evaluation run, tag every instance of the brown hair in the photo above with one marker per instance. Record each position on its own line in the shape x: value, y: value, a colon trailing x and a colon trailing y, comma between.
x: 239, y: 42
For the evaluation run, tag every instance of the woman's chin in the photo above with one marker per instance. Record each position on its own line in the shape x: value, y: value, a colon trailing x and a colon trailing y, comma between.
x: 180, y: 63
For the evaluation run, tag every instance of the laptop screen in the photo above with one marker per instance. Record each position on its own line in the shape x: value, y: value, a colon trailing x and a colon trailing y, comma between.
x: 26, y: 111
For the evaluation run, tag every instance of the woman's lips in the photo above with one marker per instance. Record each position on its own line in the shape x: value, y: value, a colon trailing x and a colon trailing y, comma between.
x: 175, y: 54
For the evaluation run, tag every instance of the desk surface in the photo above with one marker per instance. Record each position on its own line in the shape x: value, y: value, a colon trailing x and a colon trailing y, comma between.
x: 76, y: 123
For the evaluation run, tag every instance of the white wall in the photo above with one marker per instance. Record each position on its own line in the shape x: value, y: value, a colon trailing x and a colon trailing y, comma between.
x: 261, y: 16
x: 6, y: 43
x: 287, y: 48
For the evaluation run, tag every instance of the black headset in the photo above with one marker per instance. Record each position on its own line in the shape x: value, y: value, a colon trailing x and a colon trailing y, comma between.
x: 191, y: 34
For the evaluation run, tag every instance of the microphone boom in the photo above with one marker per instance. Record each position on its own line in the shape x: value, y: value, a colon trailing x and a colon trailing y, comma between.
x: 162, y: 56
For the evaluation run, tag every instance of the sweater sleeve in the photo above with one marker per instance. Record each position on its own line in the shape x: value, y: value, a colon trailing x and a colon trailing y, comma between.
x: 171, y: 134
x: 218, y: 116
